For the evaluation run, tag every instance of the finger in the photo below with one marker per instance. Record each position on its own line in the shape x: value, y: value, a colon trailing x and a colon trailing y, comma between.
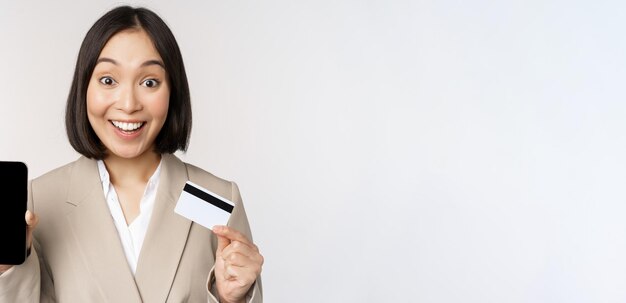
x: 230, y: 233
x: 240, y: 247
x: 230, y: 273
x: 252, y: 263
x: 222, y: 242
x: 31, y: 219
x: 243, y: 276
x: 237, y: 259
x: 31, y: 223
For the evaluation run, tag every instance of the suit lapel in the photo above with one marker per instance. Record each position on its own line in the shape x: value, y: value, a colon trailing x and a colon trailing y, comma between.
x: 166, y: 236
x: 96, y: 236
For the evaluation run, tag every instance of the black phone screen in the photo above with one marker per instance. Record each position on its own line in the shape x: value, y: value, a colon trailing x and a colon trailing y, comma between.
x: 13, y: 199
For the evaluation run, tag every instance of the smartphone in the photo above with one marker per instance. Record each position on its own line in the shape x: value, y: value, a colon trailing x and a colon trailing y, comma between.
x: 13, y: 199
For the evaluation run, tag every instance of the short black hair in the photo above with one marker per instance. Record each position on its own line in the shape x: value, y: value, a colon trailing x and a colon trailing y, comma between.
x: 175, y: 132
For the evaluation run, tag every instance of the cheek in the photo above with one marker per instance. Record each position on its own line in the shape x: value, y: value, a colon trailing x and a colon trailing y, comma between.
x: 96, y: 102
x: 159, y: 105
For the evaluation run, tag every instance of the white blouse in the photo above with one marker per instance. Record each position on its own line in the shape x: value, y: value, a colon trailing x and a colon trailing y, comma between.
x: 133, y: 234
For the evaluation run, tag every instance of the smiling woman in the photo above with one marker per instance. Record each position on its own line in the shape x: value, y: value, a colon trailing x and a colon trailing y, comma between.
x: 128, y: 95
x: 128, y: 110
x: 105, y: 56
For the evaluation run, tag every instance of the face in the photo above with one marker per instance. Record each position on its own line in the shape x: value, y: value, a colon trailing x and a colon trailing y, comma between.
x: 128, y: 95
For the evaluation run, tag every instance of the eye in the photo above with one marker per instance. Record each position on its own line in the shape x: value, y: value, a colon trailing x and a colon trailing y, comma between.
x: 150, y: 83
x: 107, y: 81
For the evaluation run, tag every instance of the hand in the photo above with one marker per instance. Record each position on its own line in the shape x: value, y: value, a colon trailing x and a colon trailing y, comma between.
x: 237, y: 264
x: 31, y: 222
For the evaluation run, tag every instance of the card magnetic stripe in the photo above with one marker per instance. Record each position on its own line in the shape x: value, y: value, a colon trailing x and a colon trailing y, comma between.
x: 208, y: 198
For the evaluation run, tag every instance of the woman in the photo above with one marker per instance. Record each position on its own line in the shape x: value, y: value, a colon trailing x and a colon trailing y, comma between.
x: 108, y: 231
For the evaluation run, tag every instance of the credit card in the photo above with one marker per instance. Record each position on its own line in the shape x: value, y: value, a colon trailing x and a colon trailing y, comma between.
x: 202, y: 206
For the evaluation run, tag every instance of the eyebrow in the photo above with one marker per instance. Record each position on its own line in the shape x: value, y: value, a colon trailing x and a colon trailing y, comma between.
x: 153, y: 62
x: 147, y: 63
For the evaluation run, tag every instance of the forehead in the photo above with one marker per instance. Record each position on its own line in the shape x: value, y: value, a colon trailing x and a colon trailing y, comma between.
x: 130, y: 47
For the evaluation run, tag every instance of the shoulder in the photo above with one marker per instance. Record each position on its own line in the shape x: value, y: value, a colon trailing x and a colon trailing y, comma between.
x: 199, y: 173
x: 220, y: 186
x: 58, y: 177
x: 49, y: 193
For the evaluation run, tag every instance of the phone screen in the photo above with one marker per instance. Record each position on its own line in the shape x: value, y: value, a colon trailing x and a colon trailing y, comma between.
x: 13, y: 199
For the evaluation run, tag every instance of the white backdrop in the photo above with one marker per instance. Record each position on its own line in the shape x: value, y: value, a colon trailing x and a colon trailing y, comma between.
x: 387, y: 151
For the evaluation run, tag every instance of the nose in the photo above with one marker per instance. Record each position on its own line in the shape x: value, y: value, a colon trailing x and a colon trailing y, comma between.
x: 128, y: 101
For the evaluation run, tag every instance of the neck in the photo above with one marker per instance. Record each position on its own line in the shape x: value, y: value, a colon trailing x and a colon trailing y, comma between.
x: 138, y: 169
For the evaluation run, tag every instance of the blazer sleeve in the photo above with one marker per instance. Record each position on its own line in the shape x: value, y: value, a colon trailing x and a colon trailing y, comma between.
x: 239, y: 221
x: 22, y: 282
x: 30, y: 281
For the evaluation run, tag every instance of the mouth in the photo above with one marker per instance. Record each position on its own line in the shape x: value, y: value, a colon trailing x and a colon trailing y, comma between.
x: 128, y: 127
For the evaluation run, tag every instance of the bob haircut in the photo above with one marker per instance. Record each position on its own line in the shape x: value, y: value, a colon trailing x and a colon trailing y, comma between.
x: 175, y: 132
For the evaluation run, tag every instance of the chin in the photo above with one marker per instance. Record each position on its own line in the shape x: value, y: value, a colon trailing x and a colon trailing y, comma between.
x: 127, y: 154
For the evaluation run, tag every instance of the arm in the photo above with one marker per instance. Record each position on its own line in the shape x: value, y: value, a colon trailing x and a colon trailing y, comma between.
x: 30, y: 281
x: 21, y: 283
x: 238, y: 261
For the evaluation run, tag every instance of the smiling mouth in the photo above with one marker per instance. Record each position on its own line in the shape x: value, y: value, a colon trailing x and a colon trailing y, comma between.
x: 128, y: 127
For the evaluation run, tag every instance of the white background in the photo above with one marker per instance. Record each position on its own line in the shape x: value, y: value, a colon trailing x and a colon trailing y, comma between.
x: 387, y: 151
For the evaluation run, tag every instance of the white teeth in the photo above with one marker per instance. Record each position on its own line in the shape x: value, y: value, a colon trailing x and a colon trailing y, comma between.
x: 127, y: 126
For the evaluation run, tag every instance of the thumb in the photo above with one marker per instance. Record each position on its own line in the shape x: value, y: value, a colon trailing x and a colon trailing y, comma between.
x: 31, y: 222
x: 31, y: 219
x: 222, y: 242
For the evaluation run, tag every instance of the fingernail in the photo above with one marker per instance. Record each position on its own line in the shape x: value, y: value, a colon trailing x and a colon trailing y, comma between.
x: 217, y: 228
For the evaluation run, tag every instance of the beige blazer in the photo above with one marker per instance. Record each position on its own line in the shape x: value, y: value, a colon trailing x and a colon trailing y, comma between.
x: 78, y: 256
